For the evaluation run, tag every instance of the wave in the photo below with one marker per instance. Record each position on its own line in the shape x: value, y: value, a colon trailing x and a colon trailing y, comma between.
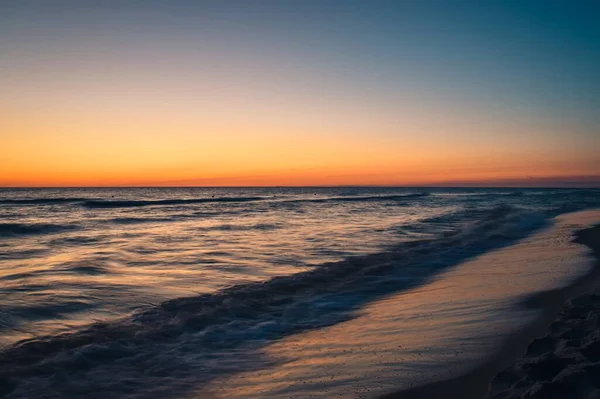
x: 24, y: 229
x: 390, y: 197
x: 42, y: 201
x: 185, y: 342
x: 363, y: 198
x: 500, y: 194
x: 140, y: 203
x: 137, y: 220
x: 241, y: 227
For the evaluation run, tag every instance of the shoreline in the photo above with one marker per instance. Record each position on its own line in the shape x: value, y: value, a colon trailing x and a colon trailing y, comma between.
x: 476, y: 383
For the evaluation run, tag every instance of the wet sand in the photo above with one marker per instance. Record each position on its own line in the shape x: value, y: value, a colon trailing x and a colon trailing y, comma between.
x: 525, y: 376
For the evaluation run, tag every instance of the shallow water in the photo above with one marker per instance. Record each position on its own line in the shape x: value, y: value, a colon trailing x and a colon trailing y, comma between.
x: 189, y: 285
x: 424, y: 334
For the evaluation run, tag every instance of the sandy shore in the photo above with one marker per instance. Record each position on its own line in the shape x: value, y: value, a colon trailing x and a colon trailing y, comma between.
x: 563, y: 363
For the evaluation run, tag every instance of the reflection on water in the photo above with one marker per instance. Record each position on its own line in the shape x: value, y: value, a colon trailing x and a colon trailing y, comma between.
x: 422, y: 334
x: 64, y: 264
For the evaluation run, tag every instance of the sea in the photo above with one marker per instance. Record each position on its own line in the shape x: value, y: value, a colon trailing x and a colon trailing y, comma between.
x: 225, y: 292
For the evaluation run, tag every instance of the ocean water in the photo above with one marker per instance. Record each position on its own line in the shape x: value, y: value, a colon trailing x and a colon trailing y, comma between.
x: 160, y: 291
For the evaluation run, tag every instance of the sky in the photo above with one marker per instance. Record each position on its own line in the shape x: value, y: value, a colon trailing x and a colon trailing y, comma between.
x: 236, y: 93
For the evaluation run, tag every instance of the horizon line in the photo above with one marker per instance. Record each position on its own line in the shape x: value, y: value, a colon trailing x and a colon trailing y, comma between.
x: 564, y: 186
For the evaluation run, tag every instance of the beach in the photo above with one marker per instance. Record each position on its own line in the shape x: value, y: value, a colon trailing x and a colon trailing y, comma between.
x: 565, y: 362
x: 554, y: 357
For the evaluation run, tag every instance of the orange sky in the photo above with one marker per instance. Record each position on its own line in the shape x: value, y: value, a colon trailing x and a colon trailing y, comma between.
x: 101, y: 143
x: 123, y: 100
x: 130, y: 147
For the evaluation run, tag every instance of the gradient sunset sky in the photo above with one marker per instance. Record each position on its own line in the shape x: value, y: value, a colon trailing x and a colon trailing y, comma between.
x: 299, y: 92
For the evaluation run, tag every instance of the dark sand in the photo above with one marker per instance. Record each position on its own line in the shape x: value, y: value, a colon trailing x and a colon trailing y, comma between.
x: 562, y: 364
